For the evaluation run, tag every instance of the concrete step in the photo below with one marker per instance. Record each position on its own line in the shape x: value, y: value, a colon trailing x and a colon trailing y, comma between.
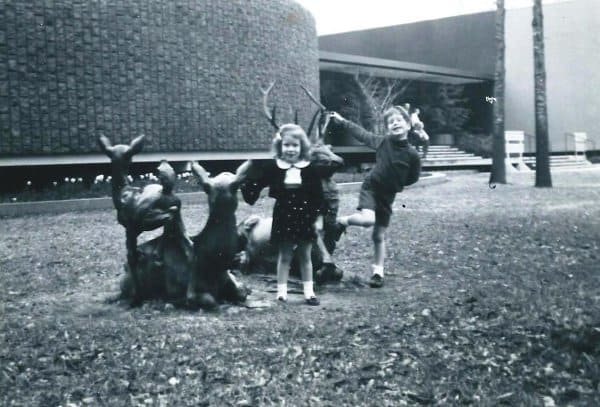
x: 476, y: 162
x: 443, y: 149
x: 440, y: 151
x: 451, y: 158
x: 445, y: 156
x: 558, y: 158
x: 442, y: 146
x: 447, y: 152
x: 560, y: 161
x: 438, y: 157
x: 449, y: 155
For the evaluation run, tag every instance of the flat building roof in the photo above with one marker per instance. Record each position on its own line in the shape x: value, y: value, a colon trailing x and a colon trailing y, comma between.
x: 353, y: 64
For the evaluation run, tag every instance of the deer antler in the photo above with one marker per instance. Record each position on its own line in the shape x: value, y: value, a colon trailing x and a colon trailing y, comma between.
x: 316, y: 115
x: 321, y: 111
x: 313, y: 98
x: 270, y: 115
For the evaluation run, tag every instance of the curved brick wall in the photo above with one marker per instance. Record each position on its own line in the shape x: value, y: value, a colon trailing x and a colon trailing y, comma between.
x: 184, y: 72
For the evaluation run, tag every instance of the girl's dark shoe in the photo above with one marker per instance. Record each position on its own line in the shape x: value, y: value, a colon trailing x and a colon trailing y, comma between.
x: 281, y: 299
x: 376, y: 281
x: 312, y: 301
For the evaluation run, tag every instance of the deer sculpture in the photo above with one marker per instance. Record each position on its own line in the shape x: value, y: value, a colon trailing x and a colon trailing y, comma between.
x: 139, y: 209
x: 215, y: 247
x: 164, y: 263
x: 254, y: 232
x: 327, y: 233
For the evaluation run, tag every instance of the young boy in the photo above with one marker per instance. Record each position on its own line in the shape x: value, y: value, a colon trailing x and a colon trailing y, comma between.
x: 397, y: 165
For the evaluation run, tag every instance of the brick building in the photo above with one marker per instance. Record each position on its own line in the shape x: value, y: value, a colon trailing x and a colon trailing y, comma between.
x: 187, y: 73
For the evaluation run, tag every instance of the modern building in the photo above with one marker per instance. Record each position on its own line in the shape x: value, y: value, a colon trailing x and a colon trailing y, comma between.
x: 188, y: 73
x: 461, y: 50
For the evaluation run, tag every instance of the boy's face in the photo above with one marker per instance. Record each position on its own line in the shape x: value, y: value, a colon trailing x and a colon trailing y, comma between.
x: 397, y: 127
x: 290, y: 148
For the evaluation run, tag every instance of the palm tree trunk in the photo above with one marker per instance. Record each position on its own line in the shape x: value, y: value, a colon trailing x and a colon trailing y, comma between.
x: 498, y: 173
x: 542, y: 157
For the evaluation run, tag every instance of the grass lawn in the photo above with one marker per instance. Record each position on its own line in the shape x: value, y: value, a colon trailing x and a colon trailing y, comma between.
x: 492, y: 297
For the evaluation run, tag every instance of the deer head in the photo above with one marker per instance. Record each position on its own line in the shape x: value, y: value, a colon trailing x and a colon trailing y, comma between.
x: 322, y: 153
x: 120, y: 158
x: 121, y: 154
x: 167, y: 177
x: 222, y: 189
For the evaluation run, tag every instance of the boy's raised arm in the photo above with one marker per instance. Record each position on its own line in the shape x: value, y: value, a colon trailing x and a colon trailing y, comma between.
x: 356, y: 131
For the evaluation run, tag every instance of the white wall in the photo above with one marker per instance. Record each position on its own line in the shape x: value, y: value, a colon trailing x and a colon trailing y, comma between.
x: 572, y: 45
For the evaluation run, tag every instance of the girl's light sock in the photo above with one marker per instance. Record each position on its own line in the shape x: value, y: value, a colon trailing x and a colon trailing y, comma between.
x: 282, y: 291
x: 343, y: 220
x: 309, y: 291
x: 377, y: 270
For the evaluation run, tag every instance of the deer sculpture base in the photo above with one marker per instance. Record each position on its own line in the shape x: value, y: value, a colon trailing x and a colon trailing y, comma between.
x: 163, y: 268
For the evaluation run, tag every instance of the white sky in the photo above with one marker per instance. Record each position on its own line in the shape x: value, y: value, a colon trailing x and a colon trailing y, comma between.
x: 334, y: 16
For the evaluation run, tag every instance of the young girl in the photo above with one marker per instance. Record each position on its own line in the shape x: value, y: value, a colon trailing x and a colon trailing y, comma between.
x: 296, y: 186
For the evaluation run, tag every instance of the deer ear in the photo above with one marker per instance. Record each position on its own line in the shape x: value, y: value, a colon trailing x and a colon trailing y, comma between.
x: 136, y: 145
x: 104, y: 144
x: 242, y: 173
x: 202, y: 175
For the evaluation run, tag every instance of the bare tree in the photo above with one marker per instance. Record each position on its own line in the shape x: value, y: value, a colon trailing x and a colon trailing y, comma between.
x: 498, y: 173
x: 542, y: 156
x: 380, y: 94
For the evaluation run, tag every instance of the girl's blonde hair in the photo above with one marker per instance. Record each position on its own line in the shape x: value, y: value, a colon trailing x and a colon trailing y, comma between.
x: 296, y: 132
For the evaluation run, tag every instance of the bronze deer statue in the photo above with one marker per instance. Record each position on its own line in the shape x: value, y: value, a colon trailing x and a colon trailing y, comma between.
x: 327, y: 233
x: 139, y: 209
x: 216, y: 246
x: 165, y: 262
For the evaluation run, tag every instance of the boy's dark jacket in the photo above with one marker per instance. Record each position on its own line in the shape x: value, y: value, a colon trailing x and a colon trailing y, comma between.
x: 397, y: 163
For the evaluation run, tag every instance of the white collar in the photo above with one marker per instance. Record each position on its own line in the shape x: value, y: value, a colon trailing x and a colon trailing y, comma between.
x: 284, y: 165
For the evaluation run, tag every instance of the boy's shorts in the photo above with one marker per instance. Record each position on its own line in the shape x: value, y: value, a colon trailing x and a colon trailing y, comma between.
x: 373, y: 197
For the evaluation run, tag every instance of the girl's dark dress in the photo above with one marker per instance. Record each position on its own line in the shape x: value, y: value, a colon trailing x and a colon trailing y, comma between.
x: 296, y: 207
